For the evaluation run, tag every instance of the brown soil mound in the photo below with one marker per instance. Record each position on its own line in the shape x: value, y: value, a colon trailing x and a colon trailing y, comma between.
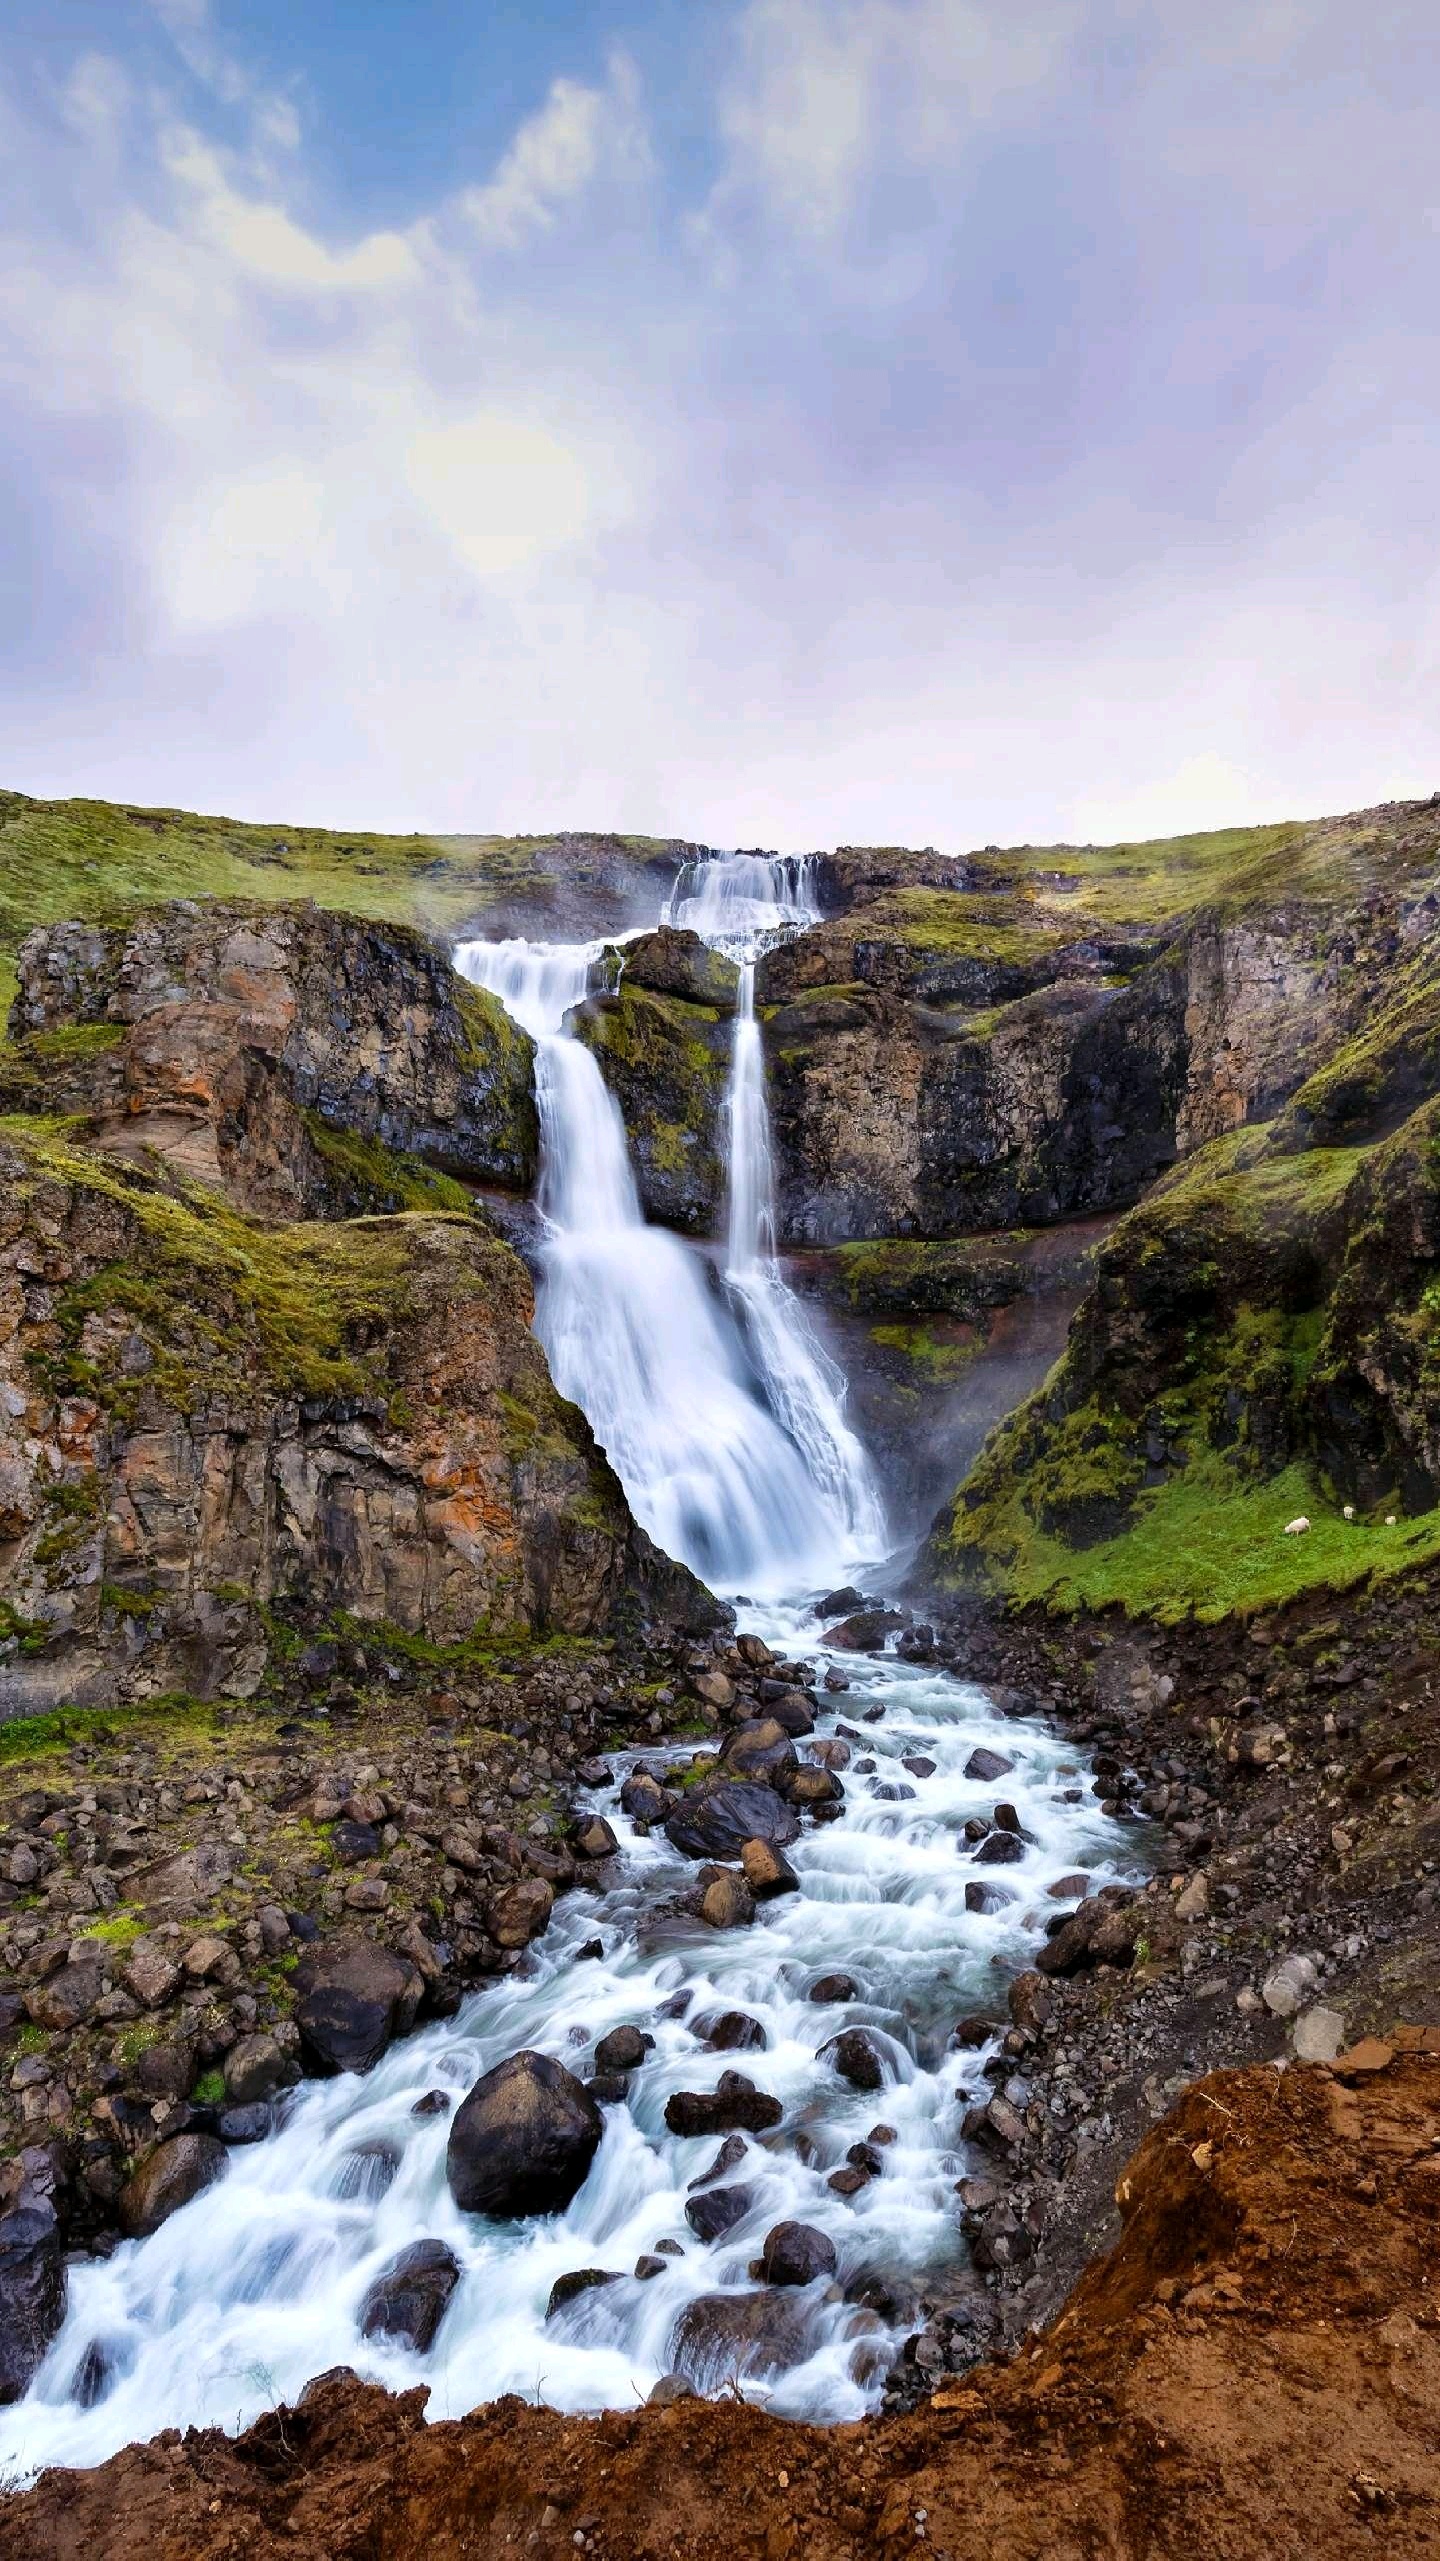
x: 1253, y: 2369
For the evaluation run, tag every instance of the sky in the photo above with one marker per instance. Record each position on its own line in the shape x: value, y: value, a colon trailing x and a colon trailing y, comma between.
x: 782, y: 422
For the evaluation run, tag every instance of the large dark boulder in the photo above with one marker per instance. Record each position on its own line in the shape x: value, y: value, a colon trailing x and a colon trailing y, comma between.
x: 524, y: 2139
x: 174, y: 2173
x: 728, y: 2338
x: 32, y: 2273
x: 795, y: 2254
x: 406, y: 2302
x: 721, y: 1814
x: 672, y: 961
x: 716, y: 2211
x: 354, y: 2000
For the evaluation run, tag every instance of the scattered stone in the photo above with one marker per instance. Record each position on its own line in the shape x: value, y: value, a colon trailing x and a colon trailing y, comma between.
x: 833, y: 1988
x: 987, y: 1766
x: 577, y: 2281
x: 622, y: 2050
x: 735, y: 2105
x: 766, y: 1870
x: 1318, y: 2035
x: 1285, y: 1990
x: 716, y: 2211
x: 718, y: 1817
x: 727, y: 1903
x: 255, y: 2068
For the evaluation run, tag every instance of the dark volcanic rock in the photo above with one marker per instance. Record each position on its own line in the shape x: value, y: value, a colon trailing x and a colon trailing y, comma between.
x: 175, y: 2172
x: 729, y: 2338
x: 987, y: 1765
x: 858, y: 2058
x: 406, y: 2302
x: 32, y: 2274
x: 716, y: 2211
x: 577, y: 2282
x: 523, y: 2140
x: 716, y: 1818
x: 734, y: 2105
x: 622, y: 2049
x: 795, y: 2254
x: 354, y: 2000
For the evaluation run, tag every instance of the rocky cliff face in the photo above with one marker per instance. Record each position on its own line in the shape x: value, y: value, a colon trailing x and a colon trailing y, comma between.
x: 662, y: 1039
x: 263, y: 1050
x: 201, y: 1416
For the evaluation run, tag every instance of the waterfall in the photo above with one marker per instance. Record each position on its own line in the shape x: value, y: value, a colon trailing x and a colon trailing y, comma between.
x: 638, y: 1337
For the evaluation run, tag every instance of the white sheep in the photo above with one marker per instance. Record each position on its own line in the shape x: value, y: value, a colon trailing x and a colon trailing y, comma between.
x: 1293, y: 1528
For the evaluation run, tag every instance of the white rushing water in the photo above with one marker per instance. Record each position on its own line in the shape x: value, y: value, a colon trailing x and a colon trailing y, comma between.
x: 719, y: 1410
x: 256, y: 2286
x: 725, y: 1419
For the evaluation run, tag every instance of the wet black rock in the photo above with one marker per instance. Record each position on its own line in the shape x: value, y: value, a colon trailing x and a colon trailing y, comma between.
x: 796, y: 2253
x: 731, y: 2032
x: 577, y: 2281
x: 523, y: 2140
x: 735, y: 2105
x: 32, y: 2272
x: 354, y: 2000
x: 721, y: 2339
x: 833, y: 1987
x: 645, y: 1800
x: 732, y: 2150
x: 987, y: 1766
x: 622, y: 2050
x: 858, y: 2058
x: 406, y: 2302
x: 1001, y: 1849
x: 986, y: 1898
x: 721, y: 1814
x: 716, y: 2211
x: 248, y: 2124
x: 1102, y: 1931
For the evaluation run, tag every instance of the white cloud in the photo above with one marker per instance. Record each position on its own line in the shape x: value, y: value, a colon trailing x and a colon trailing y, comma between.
x: 556, y: 156
x: 826, y: 91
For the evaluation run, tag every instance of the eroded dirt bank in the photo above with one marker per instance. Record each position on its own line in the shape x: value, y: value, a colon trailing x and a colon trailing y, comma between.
x: 1254, y: 2367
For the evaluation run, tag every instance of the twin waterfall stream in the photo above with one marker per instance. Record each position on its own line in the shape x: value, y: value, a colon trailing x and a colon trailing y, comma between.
x: 725, y: 1419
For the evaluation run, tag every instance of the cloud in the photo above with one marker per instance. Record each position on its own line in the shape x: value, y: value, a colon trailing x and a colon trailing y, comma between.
x: 1014, y: 423
x: 557, y: 154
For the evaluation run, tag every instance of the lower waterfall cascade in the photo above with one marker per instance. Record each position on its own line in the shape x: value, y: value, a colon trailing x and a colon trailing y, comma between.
x: 724, y: 1417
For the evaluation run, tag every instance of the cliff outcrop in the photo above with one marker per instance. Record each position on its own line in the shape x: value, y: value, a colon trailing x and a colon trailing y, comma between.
x: 202, y: 1415
x: 264, y: 1050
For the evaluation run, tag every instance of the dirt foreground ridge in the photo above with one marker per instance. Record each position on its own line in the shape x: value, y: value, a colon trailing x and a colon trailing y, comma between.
x: 1253, y: 2368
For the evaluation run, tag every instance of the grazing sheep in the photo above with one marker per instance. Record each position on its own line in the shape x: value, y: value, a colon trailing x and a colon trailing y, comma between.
x: 1293, y: 1528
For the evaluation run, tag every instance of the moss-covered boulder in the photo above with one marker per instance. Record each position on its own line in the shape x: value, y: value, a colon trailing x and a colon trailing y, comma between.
x: 202, y: 1415
x: 277, y: 1053
x: 674, y: 962
x: 667, y: 1062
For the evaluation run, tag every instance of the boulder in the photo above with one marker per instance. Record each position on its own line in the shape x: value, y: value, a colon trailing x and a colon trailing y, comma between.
x: 809, y: 1785
x: 406, y: 2302
x: 833, y: 1987
x: 256, y: 2069
x: 1029, y: 2000
x: 865, y: 1632
x: 987, y: 1765
x: 716, y: 1818
x: 858, y: 2058
x: 174, y: 2173
x: 32, y: 2272
x: 523, y: 2140
x: 519, y: 1913
x: 644, y: 1799
x: 793, y: 1712
x: 716, y: 2211
x: 766, y: 1870
x: 731, y: 2032
x: 1000, y: 1849
x: 727, y: 1902
x: 622, y: 2049
x: 593, y: 1838
x: 149, y: 1975
x: 69, y: 1996
x: 795, y: 2254
x: 723, y: 2339
x: 576, y: 2282
x: 1101, y: 1931
x: 354, y: 1999
x: 758, y: 1749
x: 735, y: 2105
x: 673, y: 961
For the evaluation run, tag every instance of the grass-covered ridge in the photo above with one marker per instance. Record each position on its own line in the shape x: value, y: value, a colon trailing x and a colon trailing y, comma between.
x: 101, y: 860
